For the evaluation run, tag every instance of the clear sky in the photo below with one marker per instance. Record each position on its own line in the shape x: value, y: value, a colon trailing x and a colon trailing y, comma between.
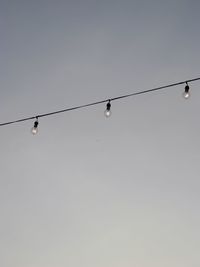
x: 89, y: 191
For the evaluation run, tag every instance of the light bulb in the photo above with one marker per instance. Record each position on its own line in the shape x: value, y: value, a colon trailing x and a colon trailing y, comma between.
x: 34, y: 129
x: 108, y: 112
x: 186, y: 93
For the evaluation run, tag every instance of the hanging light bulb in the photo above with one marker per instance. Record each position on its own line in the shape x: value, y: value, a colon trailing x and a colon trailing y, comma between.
x: 186, y: 93
x: 108, y: 112
x: 34, y: 129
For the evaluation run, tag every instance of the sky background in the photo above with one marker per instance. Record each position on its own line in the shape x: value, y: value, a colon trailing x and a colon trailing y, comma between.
x: 89, y: 191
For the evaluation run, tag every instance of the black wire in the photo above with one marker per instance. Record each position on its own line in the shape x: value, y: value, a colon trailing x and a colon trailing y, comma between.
x: 100, y: 102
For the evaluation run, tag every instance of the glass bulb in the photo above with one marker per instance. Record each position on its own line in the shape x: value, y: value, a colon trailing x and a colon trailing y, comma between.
x: 34, y: 130
x: 186, y: 95
x: 107, y: 113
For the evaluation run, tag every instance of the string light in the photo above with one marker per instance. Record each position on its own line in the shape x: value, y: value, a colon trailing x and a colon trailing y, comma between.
x: 108, y: 112
x: 34, y: 130
x: 186, y: 93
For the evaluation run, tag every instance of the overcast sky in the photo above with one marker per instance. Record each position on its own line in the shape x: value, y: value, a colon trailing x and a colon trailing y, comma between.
x: 89, y: 191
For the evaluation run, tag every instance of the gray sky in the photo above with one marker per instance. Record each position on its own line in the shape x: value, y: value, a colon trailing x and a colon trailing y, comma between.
x: 89, y: 191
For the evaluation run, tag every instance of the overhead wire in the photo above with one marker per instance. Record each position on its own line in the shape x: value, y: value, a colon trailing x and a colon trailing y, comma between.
x: 99, y: 102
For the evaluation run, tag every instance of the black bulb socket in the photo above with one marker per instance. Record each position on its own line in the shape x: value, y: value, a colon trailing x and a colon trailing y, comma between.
x: 36, y: 124
x: 108, y: 106
x: 187, y: 88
